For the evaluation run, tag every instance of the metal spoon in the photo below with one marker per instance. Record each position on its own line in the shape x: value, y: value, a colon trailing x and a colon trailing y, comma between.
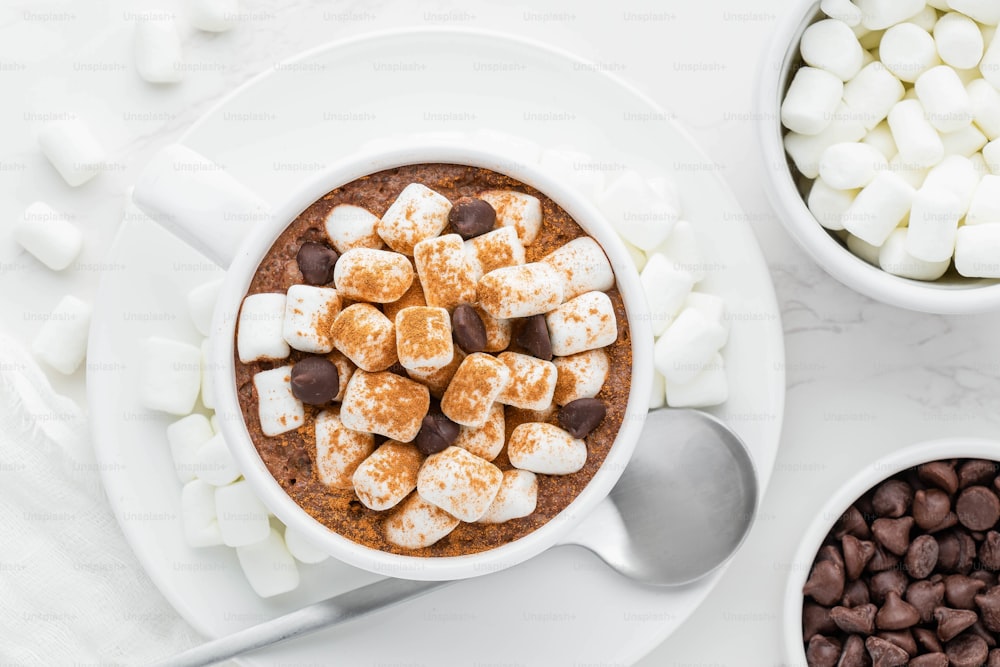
x: 682, y: 507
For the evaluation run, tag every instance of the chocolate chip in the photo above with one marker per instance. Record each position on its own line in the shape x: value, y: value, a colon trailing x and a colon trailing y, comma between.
x: 961, y: 591
x: 816, y: 621
x: 534, y: 337
x: 921, y: 557
x: 885, y: 653
x: 468, y: 329
x: 956, y: 552
x: 892, y: 499
x: 976, y: 472
x: 316, y: 263
x: 471, y: 217
x: 857, y: 620
x: 930, y: 507
x: 832, y: 553
x: 930, y: 660
x: 925, y: 596
x: 966, y: 651
x: 882, y: 560
x: 582, y: 416
x: 315, y: 380
x: 980, y: 630
x: 896, y: 614
x: 901, y: 638
x: 857, y: 553
x: 994, y: 659
x: 854, y: 654
x: 883, y: 583
x: 985, y: 576
x: 852, y: 522
x: 893, y: 534
x: 822, y: 652
x: 855, y: 593
x: 989, y: 551
x: 950, y: 520
x: 952, y: 622
x: 928, y: 641
x: 436, y: 433
x: 978, y: 508
x: 825, y: 584
x: 989, y: 607
x: 939, y: 474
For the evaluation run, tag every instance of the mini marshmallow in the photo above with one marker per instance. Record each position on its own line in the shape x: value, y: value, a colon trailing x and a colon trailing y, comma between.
x: 977, y: 251
x: 207, y: 376
x: 437, y: 380
x: 278, y: 408
x: 414, y: 296
x: 665, y: 288
x: 812, y: 97
x: 842, y: 10
x: 418, y: 213
x: 683, y: 251
x: 575, y: 168
x: 580, y: 375
x: 945, y: 101
x: 925, y: 19
x: 170, y: 375
x: 985, y: 11
x: 880, y: 138
x: 583, y: 266
x: 242, y: 517
x: 532, y: 381
x: 49, y: 236
x: 365, y: 336
x: 959, y: 41
x: 487, y: 441
x: 636, y: 212
x: 917, y: 140
x: 302, y: 550
x: 880, y: 14
x: 309, y: 315
x: 584, y: 323
x: 637, y: 256
x: 493, y: 250
x: 518, y: 210
x: 417, y: 524
x: 261, y: 328
x: 893, y: 258
x: 376, y: 276
x: 443, y: 271
x: 991, y: 154
x: 805, y: 150
x: 966, y: 141
x: 185, y: 437
x: 687, y: 347
x: 498, y: 331
x: 546, y: 449
x: 201, y: 528
x: 214, y: 463
x: 913, y: 174
x: 872, y: 93
x: 828, y: 205
x: 213, y: 15
x: 663, y: 186
x: 350, y: 227
x: 985, y: 205
x: 201, y: 305
x: 978, y: 163
x: 933, y: 225
x: 345, y: 371
x: 423, y: 338
x: 863, y: 249
x: 339, y: 450
x: 388, y: 475
x: 458, y: 482
x: 711, y: 306
x: 957, y: 175
x: 708, y: 388
x: 268, y: 567
x: 520, y: 291
x: 941, y: 5
x: 72, y: 149
x: 985, y: 107
x: 908, y: 51
x: 990, y: 64
x: 517, y: 497
x: 657, y: 393
x: 157, y: 51
x: 879, y: 208
x: 848, y: 166
x: 386, y: 404
x: 477, y: 384
x: 831, y: 45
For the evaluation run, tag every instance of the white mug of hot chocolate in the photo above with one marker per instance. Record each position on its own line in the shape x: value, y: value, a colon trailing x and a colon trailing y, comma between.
x: 198, y: 202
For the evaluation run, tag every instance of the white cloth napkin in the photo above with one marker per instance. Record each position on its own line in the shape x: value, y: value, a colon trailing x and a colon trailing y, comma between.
x: 71, y: 590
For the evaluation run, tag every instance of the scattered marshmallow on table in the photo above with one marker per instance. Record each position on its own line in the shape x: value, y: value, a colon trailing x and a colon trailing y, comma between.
x: 201, y: 305
x: 582, y: 323
x: 711, y: 306
x: 977, y: 251
x: 277, y: 407
x: 185, y: 437
x: 486, y: 441
x: 72, y: 149
x: 268, y: 566
x: 710, y: 387
x: 985, y: 204
x: 944, y: 98
x: 377, y: 276
x: 213, y: 15
x: 879, y: 208
x: 303, y: 551
x: 517, y: 497
x: 520, y: 291
x: 198, y: 518
x: 688, y: 346
x: 157, y: 50
x: 309, y: 315
x: 933, y: 225
x: 917, y: 140
x: 665, y: 287
x: 493, y: 250
x: 657, y: 394
x: 476, y: 385
x: 49, y: 236
x: 959, y: 41
x: 458, y: 482
x: 260, y: 333
x: 546, y: 449
x: 416, y: 523
x: 893, y: 258
x: 850, y: 165
x: 583, y: 266
x: 366, y: 336
x: 339, y: 450
x: 388, y: 475
x: 908, y: 51
x: 518, y: 210
x: 214, y: 463
x: 639, y: 215
x: 532, y: 381
x: 443, y: 271
x: 683, y: 251
x: 812, y: 97
x: 170, y: 375
x: 831, y: 45
x: 207, y: 376
x: 386, y: 404
x: 350, y: 227
x: 580, y: 375
x: 418, y: 213
x: 242, y: 518
x: 828, y: 205
x: 880, y: 14
x: 423, y: 338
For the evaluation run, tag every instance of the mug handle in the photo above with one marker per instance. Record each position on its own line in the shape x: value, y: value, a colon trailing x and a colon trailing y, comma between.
x: 199, y: 202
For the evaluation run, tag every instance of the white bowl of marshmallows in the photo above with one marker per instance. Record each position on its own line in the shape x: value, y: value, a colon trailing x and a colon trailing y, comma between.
x: 880, y: 124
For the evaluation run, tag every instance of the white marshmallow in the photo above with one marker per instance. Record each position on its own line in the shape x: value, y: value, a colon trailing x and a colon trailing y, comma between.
x: 201, y: 305
x: 580, y: 375
x: 831, y: 45
x: 520, y: 291
x: 418, y: 213
x: 423, y: 338
x: 517, y: 497
x: 959, y: 41
x: 880, y: 138
x: 711, y: 306
x: 583, y: 266
x: 911, y: 173
x: 268, y: 566
x: 477, y: 383
x: 376, y: 276
x: 443, y: 272
x: 309, y: 315
x: 185, y: 437
x: 170, y: 375
x: 893, y: 258
x: 990, y: 64
x: 966, y: 141
x: 201, y: 528
x: 637, y: 256
x: 636, y: 212
x: 688, y: 346
x: 279, y: 410
x: 872, y: 93
x: 575, y: 168
x: 940, y: 5
x: 586, y: 322
x: 518, y: 210
x: 366, y: 336
x: 933, y: 225
x: 848, y: 166
x: 157, y: 50
x: 214, y: 464
x: 925, y: 18
x: 828, y: 205
x: 458, y: 482
x: 908, y: 51
x: 946, y: 104
x: 493, y: 250
x: 242, y: 517
x: 49, y: 236
x: 917, y: 140
x: 991, y: 153
x: 339, y: 450
x: 664, y: 187
x: 805, y: 150
x: 683, y: 250
x: 350, y: 227
x: 545, y: 449
x: 708, y: 388
x: 985, y: 107
x: 388, y: 475
x: 984, y: 11
x: 955, y: 174
x: 977, y: 251
x: 386, y: 404
x: 487, y: 441
x: 811, y: 100
x: 658, y: 393
x: 532, y: 381
x: 302, y: 550
x: 207, y: 376
x: 879, y: 208
x: 213, y: 15
x: 880, y: 14
x: 72, y: 149
x: 842, y: 10
x: 863, y: 249
x: 261, y: 328
x: 985, y: 205
x: 665, y: 287
x: 978, y: 163
x: 417, y: 524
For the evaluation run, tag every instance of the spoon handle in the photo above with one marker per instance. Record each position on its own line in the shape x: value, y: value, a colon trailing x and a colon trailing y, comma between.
x: 343, y: 607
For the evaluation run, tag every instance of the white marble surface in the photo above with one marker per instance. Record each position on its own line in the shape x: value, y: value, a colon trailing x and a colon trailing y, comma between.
x: 863, y: 378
